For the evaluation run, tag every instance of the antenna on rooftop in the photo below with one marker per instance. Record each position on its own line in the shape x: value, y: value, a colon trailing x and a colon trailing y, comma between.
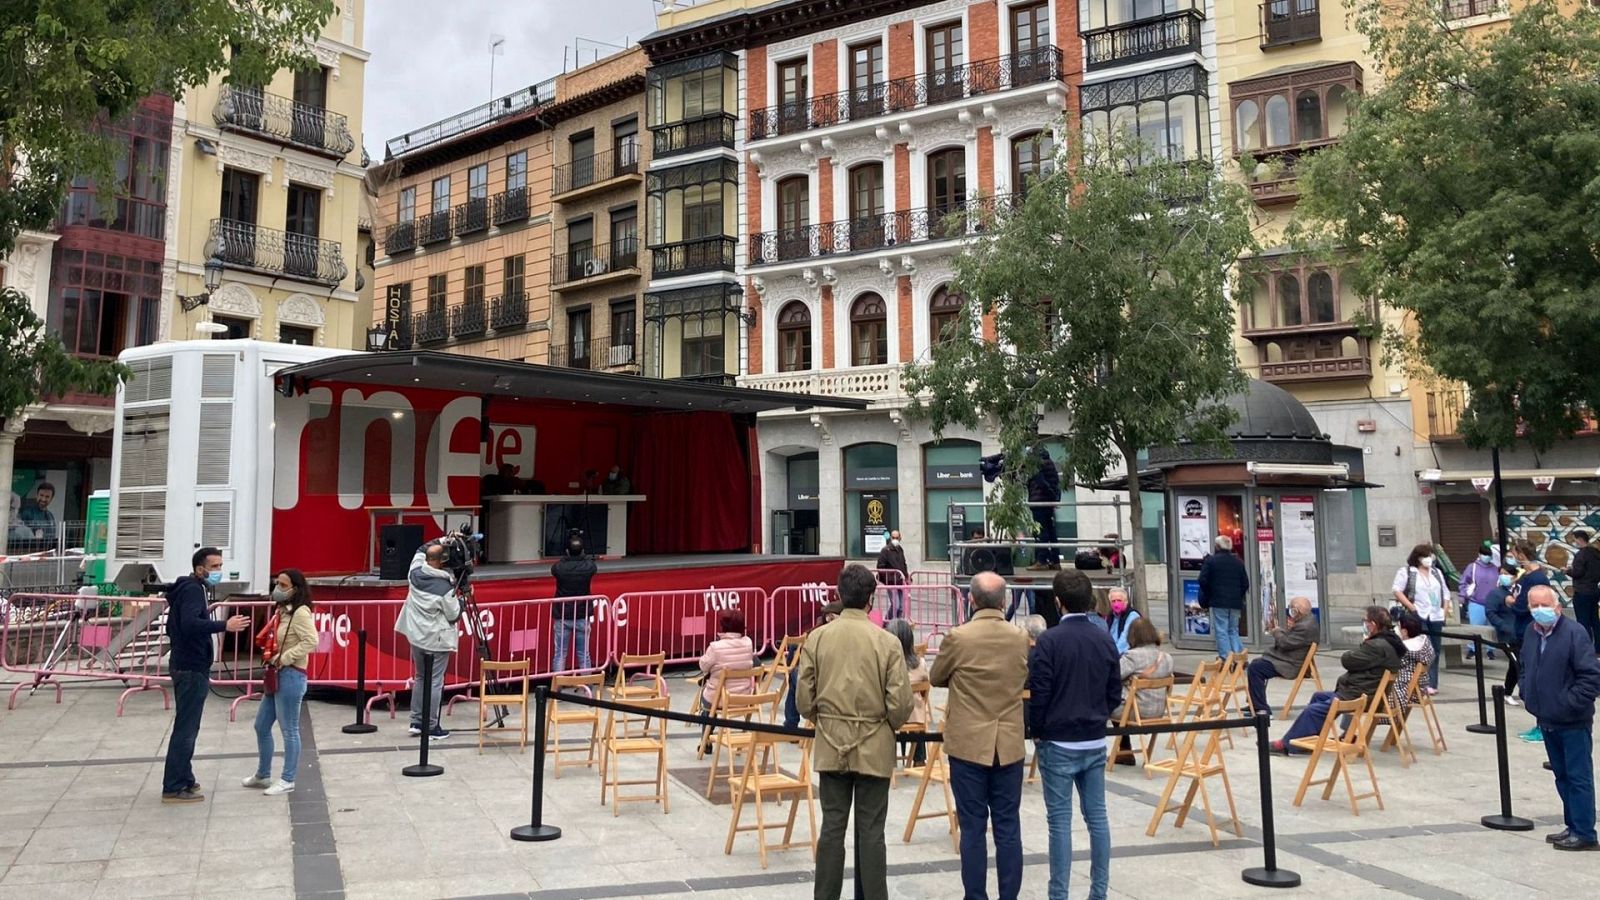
x: 497, y: 44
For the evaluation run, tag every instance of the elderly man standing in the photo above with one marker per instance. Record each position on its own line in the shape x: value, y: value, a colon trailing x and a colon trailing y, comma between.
x: 1560, y: 680
x: 984, y: 663
x: 1224, y: 583
x: 1290, y: 644
x: 853, y: 685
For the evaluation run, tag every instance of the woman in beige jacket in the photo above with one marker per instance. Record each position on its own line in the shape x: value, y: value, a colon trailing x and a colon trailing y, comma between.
x: 288, y: 648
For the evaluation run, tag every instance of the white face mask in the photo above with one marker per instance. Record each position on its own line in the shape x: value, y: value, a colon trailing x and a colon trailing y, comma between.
x: 894, y: 542
x: 1426, y: 562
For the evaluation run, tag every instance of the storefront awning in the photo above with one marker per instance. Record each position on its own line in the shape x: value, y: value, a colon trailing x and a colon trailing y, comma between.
x: 1323, y: 476
x: 527, y: 381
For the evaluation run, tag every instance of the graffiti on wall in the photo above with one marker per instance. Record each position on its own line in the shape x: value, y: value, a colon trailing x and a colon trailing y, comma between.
x: 1549, y: 528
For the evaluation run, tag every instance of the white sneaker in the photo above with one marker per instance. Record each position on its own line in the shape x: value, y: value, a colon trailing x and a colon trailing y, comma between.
x: 256, y: 782
x: 1512, y: 701
x: 282, y: 787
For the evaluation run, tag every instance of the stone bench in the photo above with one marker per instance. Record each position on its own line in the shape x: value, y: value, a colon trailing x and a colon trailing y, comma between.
x: 1455, y: 650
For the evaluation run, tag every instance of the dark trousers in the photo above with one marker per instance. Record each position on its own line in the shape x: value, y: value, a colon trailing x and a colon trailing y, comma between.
x: 870, y: 797
x: 1586, y: 607
x: 1256, y: 675
x: 189, y: 691
x: 1571, y: 752
x: 1046, y: 517
x: 985, y: 795
x: 791, y: 709
x: 1310, y: 720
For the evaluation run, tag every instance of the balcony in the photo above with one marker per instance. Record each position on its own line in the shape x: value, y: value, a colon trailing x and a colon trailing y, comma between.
x: 472, y: 216
x: 712, y: 254
x: 597, y: 354
x: 254, y: 112
x: 1275, y: 181
x: 974, y: 79
x: 433, y: 228
x: 879, y: 232
x: 1288, y: 22
x: 596, y: 173
x: 1472, y: 9
x: 1332, y: 351
x: 468, y: 320
x: 509, y: 312
x: 510, y: 206
x: 595, y: 264
x: 245, y: 245
x: 866, y: 382
x: 431, y: 327
x: 1444, y: 414
x: 1169, y: 34
x: 694, y: 134
x: 400, y: 238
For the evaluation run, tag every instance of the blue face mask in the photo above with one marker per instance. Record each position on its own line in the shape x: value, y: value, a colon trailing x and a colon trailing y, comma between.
x: 214, y: 578
x: 1505, y: 580
x: 1486, y: 559
x: 1545, y: 615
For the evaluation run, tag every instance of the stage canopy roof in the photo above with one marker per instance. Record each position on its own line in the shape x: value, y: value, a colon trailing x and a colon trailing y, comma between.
x: 526, y: 381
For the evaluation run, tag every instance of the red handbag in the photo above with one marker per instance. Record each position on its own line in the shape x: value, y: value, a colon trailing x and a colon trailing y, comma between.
x: 267, y: 640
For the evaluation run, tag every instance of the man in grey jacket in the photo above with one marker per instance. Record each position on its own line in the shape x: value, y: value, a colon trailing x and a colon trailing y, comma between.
x: 428, y: 620
x: 1290, y: 644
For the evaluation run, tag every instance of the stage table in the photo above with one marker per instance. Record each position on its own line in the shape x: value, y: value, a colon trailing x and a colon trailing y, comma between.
x: 517, y: 526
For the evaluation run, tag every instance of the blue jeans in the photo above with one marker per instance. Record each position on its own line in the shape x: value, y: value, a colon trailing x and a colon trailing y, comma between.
x: 1310, y: 720
x: 284, y: 709
x: 984, y: 794
x: 1571, y: 758
x: 1225, y: 631
x: 1256, y: 675
x: 189, y: 691
x: 791, y: 710
x: 569, y: 631
x: 1086, y: 770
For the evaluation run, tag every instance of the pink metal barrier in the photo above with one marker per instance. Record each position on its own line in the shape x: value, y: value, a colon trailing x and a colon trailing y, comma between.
x: 682, y: 623
x: 526, y: 629
x: 792, y: 611
x: 56, y: 636
x: 933, y: 610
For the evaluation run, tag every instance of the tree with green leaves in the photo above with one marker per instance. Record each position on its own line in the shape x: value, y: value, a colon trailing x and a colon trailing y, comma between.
x: 1108, y: 290
x: 68, y: 67
x: 1466, y: 196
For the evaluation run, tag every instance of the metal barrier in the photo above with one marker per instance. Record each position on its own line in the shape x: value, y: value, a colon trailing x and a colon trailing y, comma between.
x: 55, y: 636
x: 683, y: 623
x: 933, y: 610
x: 525, y: 629
x: 792, y: 611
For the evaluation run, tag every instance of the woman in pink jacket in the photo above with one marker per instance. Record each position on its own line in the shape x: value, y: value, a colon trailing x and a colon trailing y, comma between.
x: 732, y: 649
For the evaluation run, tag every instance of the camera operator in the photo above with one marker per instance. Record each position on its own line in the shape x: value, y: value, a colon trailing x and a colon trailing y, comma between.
x: 428, y: 621
x: 573, y: 574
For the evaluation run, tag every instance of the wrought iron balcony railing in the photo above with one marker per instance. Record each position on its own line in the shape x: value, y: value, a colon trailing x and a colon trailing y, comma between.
x: 472, y: 216
x: 692, y: 257
x: 1144, y: 39
x: 468, y: 319
x: 251, y: 110
x: 617, y: 351
x: 878, y: 232
x: 694, y: 134
x: 431, y: 327
x: 1468, y: 9
x: 510, y: 311
x: 401, y: 237
x: 595, y: 169
x: 433, y: 228
x: 246, y: 245
x: 990, y: 76
x: 510, y: 206
x: 1285, y: 22
x: 592, y: 261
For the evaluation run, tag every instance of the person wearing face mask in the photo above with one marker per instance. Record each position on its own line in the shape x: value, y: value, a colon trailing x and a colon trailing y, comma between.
x: 1381, y: 651
x: 1290, y: 644
x: 1560, y: 680
x: 428, y: 622
x: 1478, y: 581
x: 291, y: 638
x: 1122, y: 617
x: 616, y: 482
x: 190, y: 630
x: 892, y: 570
x: 1585, y: 574
x: 1530, y: 574
x: 1420, y: 588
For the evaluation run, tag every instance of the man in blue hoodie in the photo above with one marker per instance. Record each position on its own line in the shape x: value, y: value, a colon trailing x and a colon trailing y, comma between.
x: 190, y: 630
x: 1560, y: 680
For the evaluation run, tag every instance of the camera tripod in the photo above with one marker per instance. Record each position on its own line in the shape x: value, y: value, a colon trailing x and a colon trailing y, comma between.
x: 69, y: 641
x: 463, y: 544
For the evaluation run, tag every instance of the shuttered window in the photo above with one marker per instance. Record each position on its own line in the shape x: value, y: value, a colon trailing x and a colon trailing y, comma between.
x: 141, y: 524
x: 145, y: 439
x: 216, y: 440
x: 216, y: 524
x: 151, y: 380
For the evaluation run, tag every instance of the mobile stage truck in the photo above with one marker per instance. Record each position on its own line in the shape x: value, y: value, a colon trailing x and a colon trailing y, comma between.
x: 342, y: 463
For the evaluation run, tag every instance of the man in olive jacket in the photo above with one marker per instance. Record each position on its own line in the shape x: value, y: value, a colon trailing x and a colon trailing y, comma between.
x: 853, y: 685
x: 1290, y: 644
x: 1380, y: 652
x: 985, y: 665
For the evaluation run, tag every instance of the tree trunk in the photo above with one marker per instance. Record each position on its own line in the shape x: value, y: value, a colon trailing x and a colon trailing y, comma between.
x: 1141, y: 594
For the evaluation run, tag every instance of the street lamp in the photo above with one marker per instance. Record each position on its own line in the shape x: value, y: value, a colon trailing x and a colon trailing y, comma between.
x: 378, y: 338
x: 213, y: 280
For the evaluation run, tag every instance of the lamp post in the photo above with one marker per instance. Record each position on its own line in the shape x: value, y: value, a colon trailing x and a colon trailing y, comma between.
x: 213, y: 280
x: 378, y: 338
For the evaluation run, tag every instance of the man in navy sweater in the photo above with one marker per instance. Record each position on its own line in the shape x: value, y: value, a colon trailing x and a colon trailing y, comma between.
x: 190, y: 629
x: 1074, y: 681
x: 1560, y: 680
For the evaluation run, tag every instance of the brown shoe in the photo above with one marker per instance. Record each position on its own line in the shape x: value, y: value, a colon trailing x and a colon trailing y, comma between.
x: 187, y: 795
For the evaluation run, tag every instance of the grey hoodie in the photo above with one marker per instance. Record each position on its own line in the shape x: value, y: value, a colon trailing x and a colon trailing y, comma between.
x: 432, y: 608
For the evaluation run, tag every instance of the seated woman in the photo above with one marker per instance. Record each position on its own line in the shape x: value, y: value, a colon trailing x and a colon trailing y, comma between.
x: 917, y: 673
x: 731, y: 650
x: 1364, y: 666
x: 1144, y: 659
x: 1419, y: 650
x: 1122, y: 617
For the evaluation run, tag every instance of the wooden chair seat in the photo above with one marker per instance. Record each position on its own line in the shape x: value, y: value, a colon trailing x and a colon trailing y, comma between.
x: 654, y: 744
x: 559, y: 714
x: 1347, y: 746
x: 1197, y: 767
x: 492, y: 673
x: 747, y: 707
x: 763, y: 780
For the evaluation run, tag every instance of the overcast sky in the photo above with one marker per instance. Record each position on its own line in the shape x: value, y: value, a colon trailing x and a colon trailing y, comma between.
x: 430, y: 58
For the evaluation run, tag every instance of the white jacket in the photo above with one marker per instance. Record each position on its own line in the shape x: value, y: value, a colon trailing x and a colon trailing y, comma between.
x: 428, y: 620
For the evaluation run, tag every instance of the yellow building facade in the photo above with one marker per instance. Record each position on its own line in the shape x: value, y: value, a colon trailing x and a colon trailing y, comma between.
x: 267, y: 184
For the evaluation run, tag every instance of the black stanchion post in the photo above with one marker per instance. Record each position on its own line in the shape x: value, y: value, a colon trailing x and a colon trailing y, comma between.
x: 361, y: 725
x: 424, y: 769
x: 536, y: 829
x: 1482, y: 726
x: 1268, y: 875
x: 1505, y: 821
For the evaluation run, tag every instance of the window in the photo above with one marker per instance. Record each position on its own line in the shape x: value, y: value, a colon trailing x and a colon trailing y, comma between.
x: 794, y: 217
x: 1032, y: 158
x: 1289, y: 310
x: 792, y: 92
x: 702, y: 93
x: 436, y: 294
x: 311, y: 87
x: 869, y: 331
x: 794, y: 337
x: 308, y: 120
x: 478, y: 182
x: 703, y: 346
x: 511, y: 275
x: 239, y: 193
x: 581, y: 152
x: 135, y: 201
x: 1030, y: 44
x: 944, y: 58
x: 578, y: 337
x: 473, y: 293
x: 625, y: 145
x: 944, y: 315
x: 702, y: 211
x: 947, y: 190
x: 580, y: 247
x: 1167, y: 111
x: 300, y: 251
x: 1104, y: 13
x: 866, y: 80
x: 407, y: 210
x: 866, y: 207
x: 93, y: 322
x: 441, y: 195
x: 516, y: 170
x: 236, y: 329
x: 624, y: 238
x: 1290, y: 298
x: 1313, y: 107
x: 1277, y: 121
x: 871, y: 495
x: 950, y: 475
x: 1319, y: 296
x: 297, y: 334
x: 624, y: 322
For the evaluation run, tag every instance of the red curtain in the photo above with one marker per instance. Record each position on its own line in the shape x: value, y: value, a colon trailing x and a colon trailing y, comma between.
x: 693, y: 469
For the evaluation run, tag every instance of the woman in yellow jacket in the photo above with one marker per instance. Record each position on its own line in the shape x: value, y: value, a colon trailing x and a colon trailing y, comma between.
x: 288, y: 647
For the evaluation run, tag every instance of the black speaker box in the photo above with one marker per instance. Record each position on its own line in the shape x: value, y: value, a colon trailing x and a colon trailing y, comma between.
x: 397, y: 544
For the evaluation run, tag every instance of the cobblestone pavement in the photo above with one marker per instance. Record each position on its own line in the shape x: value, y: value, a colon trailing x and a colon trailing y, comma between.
x: 80, y: 817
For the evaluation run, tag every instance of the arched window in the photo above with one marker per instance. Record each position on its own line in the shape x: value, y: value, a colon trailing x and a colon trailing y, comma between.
x: 1032, y: 159
x: 1289, y: 301
x: 1319, y: 291
x: 794, y: 337
x: 1247, y: 126
x: 944, y: 315
x: 1338, y: 110
x: 1277, y: 121
x: 1308, y: 116
x: 869, y: 331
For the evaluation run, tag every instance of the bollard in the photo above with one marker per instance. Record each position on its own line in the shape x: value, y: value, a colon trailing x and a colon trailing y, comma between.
x: 1505, y: 821
x: 536, y: 830
x: 1482, y: 726
x: 1268, y: 875
x: 361, y: 725
x: 423, y: 769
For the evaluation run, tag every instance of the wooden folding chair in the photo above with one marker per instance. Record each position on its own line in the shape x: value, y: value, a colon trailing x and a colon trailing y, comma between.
x: 1309, y: 667
x: 757, y: 785
x: 1238, y: 685
x: 934, y: 769
x: 654, y: 743
x: 491, y: 672
x: 1192, y: 700
x: 560, y: 714
x: 1430, y: 716
x: 907, y: 758
x: 1348, y: 745
x: 1197, y: 767
x: 738, y: 676
x: 744, y: 707
x: 1386, y: 712
x: 645, y: 684
x: 1131, y: 716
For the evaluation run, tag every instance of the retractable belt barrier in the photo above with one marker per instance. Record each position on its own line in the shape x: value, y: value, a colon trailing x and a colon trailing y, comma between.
x: 1481, y: 726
